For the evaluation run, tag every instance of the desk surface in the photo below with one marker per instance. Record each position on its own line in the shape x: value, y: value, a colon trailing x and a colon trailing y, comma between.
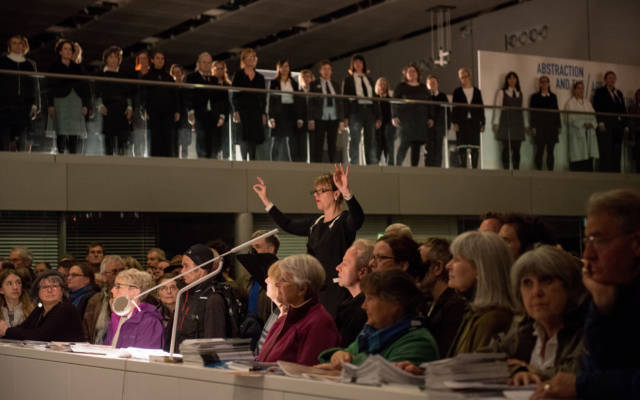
x: 34, y: 374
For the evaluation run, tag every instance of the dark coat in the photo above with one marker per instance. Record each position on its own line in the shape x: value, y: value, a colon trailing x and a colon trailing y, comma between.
x: 352, y: 106
x: 545, y: 123
x: 445, y: 318
x: 251, y: 106
x: 17, y: 91
x: 62, y: 323
x: 160, y: 100
x: 62, y: 87
x: 604, y: 103
x: 350, y: 319
x: 285, y: 115
x: 316, y: 102
x: 197, y: 99
x: 459, y: 114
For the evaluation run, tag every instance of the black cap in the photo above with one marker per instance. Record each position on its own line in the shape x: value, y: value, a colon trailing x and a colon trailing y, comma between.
x: 199, y: 253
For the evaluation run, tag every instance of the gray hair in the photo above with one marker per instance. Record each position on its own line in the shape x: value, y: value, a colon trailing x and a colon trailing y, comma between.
x: 549, y: 261
x: 399, y: 229
x: 492, y: 259
x: 111, y: 259
x: 159, y: 252
x: 25, y: 253
x: 140, y: 279
x: 304, y: 270
x: 364, y: 251
x: 623, y: 204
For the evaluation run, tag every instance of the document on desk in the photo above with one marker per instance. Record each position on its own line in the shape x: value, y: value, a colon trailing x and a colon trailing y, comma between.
x: 303, y: 371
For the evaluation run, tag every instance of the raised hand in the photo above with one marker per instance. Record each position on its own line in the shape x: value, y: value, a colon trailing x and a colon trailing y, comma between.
x: 341, y: 179
x: 261, y: 190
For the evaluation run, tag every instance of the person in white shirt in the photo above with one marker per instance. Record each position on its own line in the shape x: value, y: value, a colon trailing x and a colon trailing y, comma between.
x: 583, y: 141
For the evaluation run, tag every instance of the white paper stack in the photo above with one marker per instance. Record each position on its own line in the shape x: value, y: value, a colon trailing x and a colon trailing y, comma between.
x: 215, y: 349
x: 377, y: 371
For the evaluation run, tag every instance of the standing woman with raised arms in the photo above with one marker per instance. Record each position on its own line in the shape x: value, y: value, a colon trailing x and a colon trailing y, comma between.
x: 329, y: 235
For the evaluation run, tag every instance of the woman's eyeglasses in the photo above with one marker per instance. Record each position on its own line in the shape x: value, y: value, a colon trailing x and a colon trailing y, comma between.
x: 320, y: 191
x: 117, y: 286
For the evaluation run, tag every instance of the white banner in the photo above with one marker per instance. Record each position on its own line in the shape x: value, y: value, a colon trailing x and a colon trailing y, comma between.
x: 563, y: 73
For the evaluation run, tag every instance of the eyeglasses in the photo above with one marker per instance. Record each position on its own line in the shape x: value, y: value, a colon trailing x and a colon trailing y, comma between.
x: 117, y: 286
x: 168, y: 289
x: 379, y: 258
x: 320, y: 191
x: 597, y: 242
x: 50, y: 287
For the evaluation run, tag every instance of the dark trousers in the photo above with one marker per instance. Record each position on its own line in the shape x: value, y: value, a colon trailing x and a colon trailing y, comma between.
x: 435, y: 137
x: 298, y: 145
x: 362, y: 122
x: 330, y: 130
x: 14, y: 123
x: 515, y: 153
x: 462, y: 157
x: 610, y: 147
x: 541, y: 145
x: 164, y: 142
x: 114, y: 145
x: 208, y: 135
x: 68, y: 142
x: 582, y: 166
x: 468, y: 134
x: 385, y: 136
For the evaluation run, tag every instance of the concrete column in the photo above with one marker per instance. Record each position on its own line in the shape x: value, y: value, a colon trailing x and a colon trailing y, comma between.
x: 243, y: 231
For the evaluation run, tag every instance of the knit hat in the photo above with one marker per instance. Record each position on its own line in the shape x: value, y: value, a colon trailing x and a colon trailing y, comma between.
x: 199, y: 253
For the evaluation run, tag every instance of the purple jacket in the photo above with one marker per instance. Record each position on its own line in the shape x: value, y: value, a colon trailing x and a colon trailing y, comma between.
x: 143, y: 329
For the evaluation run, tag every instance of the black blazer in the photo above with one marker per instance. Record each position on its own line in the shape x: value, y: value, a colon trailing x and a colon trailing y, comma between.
x: 544, y: 120
x: 352, y: 106
x: 160, y: 100
x: 275, y: 101
x: 197, y: 99
x: 62, y: 87
x: 459, y: 114
x: 316, y: 102
x: 245, y: 101
x: 602, y: 102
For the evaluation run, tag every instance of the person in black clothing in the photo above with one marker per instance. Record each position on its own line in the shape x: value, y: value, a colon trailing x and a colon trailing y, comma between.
x: 69, y: 99
x: 285, y: 113
x: 608, y: 99
x: 183, y: 127
x: 329, y: 235
x: 438, y: 121
x: 54, y: 319
x: 300, y: 143
x: 18, y: 93
x: 362, y: 116
x: 117, y: 103
x: 411, y: 118
x: 545, y: 126
x: 508, y: 125
x: 202, y: 310
x: 445, y: 311
x: 468, y: 122
x: 139, y: 122
x: 350, y: 317
x: 386, y: 134
x: 208, y: 109
x: 163, y: 110
x: 249, y: 108
x: 326, y: 115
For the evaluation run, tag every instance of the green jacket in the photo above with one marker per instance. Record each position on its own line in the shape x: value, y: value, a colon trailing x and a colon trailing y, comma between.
x: 417, y: 346
x: 478, y: 328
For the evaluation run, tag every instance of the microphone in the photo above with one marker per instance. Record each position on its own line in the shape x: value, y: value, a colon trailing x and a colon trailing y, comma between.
x: 122, y: 305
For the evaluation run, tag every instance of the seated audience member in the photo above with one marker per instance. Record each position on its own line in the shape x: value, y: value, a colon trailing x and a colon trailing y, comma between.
x: 521, y: 232
x: 55, y: 318
x: 159, y: 270
x: 95, y: 254
x: 480, y: 270
x: 202, y: 310
x: 447, y: 307
x: 399, y: 229
x: 491, y: 222
x: 609, y: 368
x: 547, y: 283
x: 401, y: 252
x: 80, y: 282
x: 258, y: 303
x: 131, y: 262
x: 64, y: 266
x: 97, y: 314
x: 142, y: 326
x: 15, y: 303
x: 21, y: 257
x: 392, y: 330
x: 307, y: 328
x: 27, y: 277
x: 350, y: 317
x: 41, y: 268
x: 278, y: 309
x: 167, y: 296
x: 154, y: 256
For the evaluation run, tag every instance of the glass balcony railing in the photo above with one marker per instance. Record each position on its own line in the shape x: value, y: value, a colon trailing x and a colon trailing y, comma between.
x: 90, y: 115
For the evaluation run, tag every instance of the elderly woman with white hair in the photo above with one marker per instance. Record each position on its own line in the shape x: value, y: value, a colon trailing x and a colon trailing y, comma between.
x: 480, y: 270
x: 307, y: 328
x: 547, y: 283
x: 142, y: 326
